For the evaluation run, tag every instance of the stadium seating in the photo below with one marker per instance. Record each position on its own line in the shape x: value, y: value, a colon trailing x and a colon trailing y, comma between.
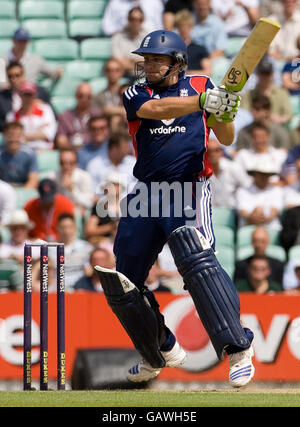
x: 226, y: 258
x: 7, y: 10
x: 65, y: 87
x: 46, y: 28
x: 224, y: 236
x: 79, y: 224
x: 97, y: 48
x: 48, y: 161
x: 31, y: 9
x: 85, y: 9
x: 83, y: 70
x: 57, y: 49
x: 295, y: 103
x: 85, y: 27
x: 10, y: 275
x: 4, y: 231
x: 5, y: 45
x: 294, y: 253
x: 294, y: 123
x: 234, y: 45
x: 25, y: 194
x: 8, y: 27
x: 223, y: 217
x: 98, y: 84
x: 219, y: 67
x: 273, y: 251
x: 62, y: 103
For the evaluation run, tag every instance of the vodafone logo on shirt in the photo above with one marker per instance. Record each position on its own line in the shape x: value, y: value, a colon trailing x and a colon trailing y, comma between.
x: 169, y: 129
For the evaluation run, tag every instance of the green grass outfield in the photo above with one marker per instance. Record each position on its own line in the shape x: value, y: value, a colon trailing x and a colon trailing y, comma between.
x: 151, y: 398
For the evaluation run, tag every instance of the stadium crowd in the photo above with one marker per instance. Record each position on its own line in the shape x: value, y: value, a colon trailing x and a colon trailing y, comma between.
x: 63, y: 157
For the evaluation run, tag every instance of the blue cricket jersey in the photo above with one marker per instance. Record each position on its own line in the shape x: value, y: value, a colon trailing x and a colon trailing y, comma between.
x: 173, y: 149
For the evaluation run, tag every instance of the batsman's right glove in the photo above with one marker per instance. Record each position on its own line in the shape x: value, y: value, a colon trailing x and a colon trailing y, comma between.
x: 224, y: 105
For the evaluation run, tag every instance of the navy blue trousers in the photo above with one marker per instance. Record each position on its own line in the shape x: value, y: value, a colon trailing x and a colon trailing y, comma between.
x: 140, y: 239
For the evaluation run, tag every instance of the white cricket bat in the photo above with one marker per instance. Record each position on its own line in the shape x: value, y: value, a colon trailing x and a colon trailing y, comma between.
x: 248, y: 57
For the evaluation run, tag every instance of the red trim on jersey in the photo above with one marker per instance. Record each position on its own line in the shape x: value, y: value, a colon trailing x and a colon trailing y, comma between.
x: 198, y: 83
x: 207, y: 169
x: 36, y: 111
x: 150, y: 91
x: 133, y: 128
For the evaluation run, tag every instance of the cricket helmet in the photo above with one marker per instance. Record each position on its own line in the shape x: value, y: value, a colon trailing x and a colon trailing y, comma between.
x: 163, y: 42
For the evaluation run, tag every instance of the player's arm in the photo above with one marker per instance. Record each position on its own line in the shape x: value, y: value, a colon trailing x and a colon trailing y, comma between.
x: 224, y: 132
x: 217, y: 101
x: 160, y: 109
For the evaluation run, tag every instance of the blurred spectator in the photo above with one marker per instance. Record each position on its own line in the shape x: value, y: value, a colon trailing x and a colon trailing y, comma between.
x: 73, y: 182
x: 291, y: 167
x: 281, y: 109
x: 291, y: 277
x: 260, y: 241
x: 45, y: 210
x: 90, y: 281
x: 98, y: 134
x: 116, y: 13
x: 19, y: 226
x: 292, y: 192
x: 127, y: 40
x: 295, y: 134
x: 33, y: 64
x: 261, y: 203
x: 209, y: 31
x: 72, y: 124
x: 261, y: 112
x: 290, y: 233
x: 260, y: 150
x: 77, y: 251
x: 291, y: 74
x: 102, y: 223
x: 258, y: 280
x: 18, y: 162
x: 198, y: 56
x: 118, y: 161
x: 153, y: 281
x: 8, y: 201
x: 171, y: 8
x: 239, y: 16
x: 109, y: 100
x: 270, y: 7
x: 227, y: 176
x: 37, y: 118
x: 284, y: 46
x: 10, y: 99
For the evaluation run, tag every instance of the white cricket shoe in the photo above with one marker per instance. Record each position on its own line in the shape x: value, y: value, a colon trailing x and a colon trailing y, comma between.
x: 241, y: 369
x: 143, y: 371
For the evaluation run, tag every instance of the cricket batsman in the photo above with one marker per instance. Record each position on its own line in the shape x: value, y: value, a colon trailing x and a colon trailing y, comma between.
x: 167, y: 118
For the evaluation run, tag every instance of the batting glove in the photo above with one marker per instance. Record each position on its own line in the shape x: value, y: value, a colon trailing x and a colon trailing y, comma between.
x: 224, y: 105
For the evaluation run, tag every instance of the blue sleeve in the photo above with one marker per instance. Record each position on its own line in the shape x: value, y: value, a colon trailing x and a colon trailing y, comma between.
x: 33, y: 163
x: 133, y: 98
x: 209, y: 84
